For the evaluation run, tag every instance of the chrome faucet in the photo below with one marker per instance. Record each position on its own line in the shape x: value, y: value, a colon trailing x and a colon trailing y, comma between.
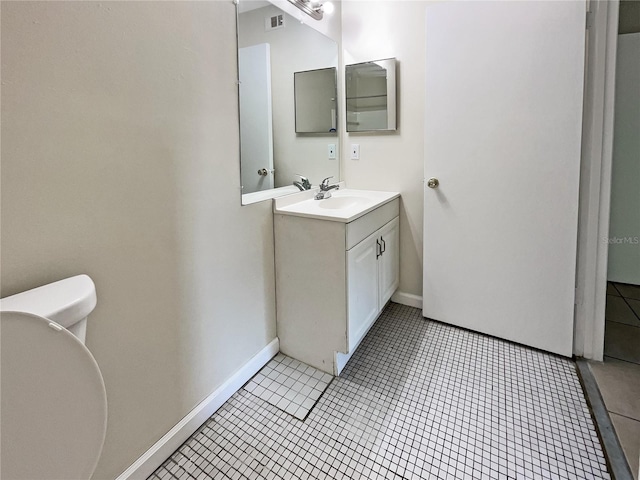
x: 303, y: 184
x: 324, y: 189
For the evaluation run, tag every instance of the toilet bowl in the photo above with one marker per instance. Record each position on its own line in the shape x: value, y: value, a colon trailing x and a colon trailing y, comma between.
x: 53, y: 400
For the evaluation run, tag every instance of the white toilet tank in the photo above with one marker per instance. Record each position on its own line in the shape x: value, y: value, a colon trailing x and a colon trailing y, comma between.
x: 54, y: 401
x: 67, y: 302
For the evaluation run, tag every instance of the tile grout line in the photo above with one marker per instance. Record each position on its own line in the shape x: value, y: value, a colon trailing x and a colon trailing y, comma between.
x: 615, y: 455
x: 304, y: 384
x: 624, y: 416
x: 418, y: 399
x: 625, y: 300
x: 622, y: 323
x: 620, y: 360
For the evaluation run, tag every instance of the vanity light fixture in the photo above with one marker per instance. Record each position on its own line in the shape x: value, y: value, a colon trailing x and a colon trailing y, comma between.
x: 315, y: 9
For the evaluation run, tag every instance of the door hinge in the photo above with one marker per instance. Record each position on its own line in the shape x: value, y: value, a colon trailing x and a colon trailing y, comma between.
x: 589, y: 20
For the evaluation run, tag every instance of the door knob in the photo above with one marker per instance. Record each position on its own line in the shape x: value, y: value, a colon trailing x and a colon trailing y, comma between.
x: 263, y: 172
x: 433, y: 183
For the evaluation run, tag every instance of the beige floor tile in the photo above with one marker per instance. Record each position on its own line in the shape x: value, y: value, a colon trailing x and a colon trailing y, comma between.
x: 628, y: 432
x: 619, y: 384
x: 618, y: 310
x: 629, y: 291
x: 635, y: 306
x: 622, y: 342
x: 611, y: 290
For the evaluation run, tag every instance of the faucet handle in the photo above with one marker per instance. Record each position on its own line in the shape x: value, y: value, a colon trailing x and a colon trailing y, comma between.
x: 325, y: 183
x: 305, y: 181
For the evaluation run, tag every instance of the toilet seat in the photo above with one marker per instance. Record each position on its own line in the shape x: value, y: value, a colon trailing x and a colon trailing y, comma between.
x: 50, y: 378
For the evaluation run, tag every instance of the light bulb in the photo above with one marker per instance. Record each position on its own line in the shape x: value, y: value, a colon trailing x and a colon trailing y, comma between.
x: 327, y: 8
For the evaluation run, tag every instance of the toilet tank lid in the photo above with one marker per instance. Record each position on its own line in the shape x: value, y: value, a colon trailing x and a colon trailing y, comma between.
x: 65, y: 302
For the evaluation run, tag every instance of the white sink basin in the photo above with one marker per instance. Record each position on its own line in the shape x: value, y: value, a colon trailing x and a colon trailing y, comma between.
x: 344, y: 205
x: 337, y: 202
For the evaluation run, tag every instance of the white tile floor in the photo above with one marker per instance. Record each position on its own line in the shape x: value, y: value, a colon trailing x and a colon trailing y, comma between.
x: 290, y: 385
x: 419, y: 399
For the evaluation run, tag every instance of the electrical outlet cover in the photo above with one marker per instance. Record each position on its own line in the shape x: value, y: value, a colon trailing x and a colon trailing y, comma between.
x: 355, y: 151
x: 332, y: 151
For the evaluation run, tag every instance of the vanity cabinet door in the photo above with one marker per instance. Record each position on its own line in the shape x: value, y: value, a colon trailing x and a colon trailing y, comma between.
x: 362, y: 285
x: 388, y: 263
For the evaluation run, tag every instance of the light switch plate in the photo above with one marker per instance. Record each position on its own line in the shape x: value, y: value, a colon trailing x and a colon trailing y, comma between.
x: 332, y: 151
x: 355, y: 151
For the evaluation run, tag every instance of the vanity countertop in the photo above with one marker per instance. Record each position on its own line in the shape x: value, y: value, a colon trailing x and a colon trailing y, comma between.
x: 345, y: 205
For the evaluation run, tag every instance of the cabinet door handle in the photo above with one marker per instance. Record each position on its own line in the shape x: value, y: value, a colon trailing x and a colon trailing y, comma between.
x: 378, y: 249
x: 384, y: 246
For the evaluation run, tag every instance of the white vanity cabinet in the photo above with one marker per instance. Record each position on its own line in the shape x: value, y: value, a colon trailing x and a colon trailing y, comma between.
x: 333, y: 278
x: 372, y: 277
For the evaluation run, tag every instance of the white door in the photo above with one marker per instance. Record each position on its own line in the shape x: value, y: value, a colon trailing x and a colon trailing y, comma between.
x: 256, y: 130
x: 388, y: 263
x: 503, y: 114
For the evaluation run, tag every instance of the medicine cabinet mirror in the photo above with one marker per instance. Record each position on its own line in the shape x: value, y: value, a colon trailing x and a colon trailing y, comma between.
x: 315, y: 98
x: 371, y: 96
x: 276, y: 52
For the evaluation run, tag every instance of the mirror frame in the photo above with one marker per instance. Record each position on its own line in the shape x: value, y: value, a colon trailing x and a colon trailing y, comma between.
x: 391, y: 95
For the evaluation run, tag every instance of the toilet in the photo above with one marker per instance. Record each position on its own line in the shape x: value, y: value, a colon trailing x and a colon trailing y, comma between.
x: 53, y: 400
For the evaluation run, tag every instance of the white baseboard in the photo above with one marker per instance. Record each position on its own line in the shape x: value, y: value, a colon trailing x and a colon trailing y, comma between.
x: 408, y: 299
x: 169, y: 443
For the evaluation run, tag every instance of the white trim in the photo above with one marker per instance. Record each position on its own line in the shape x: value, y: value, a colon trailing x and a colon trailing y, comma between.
x: 262, y: 195
x: 169, y: 443
x: 595, y: 181
x: 596, y: 349
x: 408, y: 299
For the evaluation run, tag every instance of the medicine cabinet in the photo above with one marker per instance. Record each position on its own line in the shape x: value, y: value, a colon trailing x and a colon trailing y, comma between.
x: 371, y: 96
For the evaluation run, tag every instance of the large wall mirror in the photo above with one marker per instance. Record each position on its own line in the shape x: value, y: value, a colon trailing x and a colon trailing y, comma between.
x: 275, y: 147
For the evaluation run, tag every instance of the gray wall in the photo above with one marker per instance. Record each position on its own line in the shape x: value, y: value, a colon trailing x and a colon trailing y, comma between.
x: 392, y: 161
x: 629, y: 16
x: 120, y: 160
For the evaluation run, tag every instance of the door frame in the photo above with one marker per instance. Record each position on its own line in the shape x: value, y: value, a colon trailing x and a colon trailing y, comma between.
x: 595, y: 179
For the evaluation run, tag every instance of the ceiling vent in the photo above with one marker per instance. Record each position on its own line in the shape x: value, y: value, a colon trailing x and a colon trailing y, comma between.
x: 272, y: 23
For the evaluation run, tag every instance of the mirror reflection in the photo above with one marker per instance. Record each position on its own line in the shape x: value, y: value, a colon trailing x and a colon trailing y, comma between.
x: 272, y: 47
x: 371, y: 95
x: 315, y: 97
